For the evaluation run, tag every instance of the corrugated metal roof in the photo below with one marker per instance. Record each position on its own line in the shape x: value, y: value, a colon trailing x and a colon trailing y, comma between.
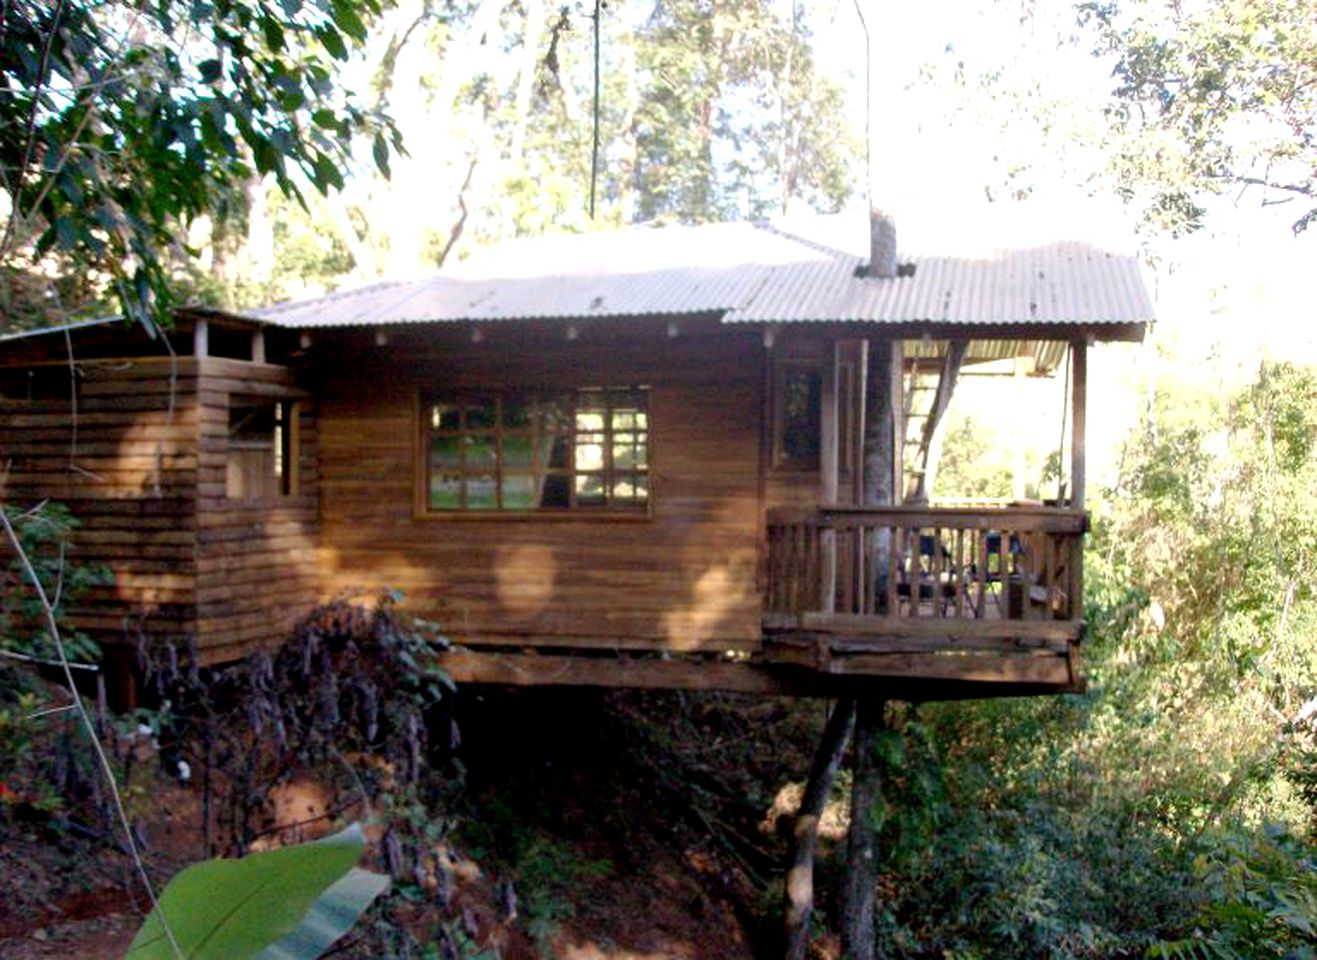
x: 58, y: 328
x: 751, y: 273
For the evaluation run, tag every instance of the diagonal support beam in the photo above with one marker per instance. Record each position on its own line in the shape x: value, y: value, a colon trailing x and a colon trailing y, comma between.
x: 946, y: 386
x: 799, y: 892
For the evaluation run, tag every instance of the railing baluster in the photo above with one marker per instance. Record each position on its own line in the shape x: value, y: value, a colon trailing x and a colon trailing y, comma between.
x: 814, y: 561
x: 893, y: 599
x: 1049, y: 576
x: 795, y: 567
x: 982, y: 572
x: 960, y: 574
x: 935, y: 564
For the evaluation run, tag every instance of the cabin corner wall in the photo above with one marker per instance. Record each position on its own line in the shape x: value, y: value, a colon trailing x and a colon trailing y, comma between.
x: 113, y: 440
x: 256, y: 573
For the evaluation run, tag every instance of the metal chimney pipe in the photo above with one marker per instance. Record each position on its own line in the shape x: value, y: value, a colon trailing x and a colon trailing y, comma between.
x: 882, y: 244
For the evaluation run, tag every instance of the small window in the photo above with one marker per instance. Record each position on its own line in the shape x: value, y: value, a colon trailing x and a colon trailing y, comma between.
x: 587, y: 450
x: 261, y: 451
x: 798, y: 392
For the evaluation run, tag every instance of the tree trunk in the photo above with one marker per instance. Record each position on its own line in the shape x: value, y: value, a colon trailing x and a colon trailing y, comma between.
x: 530, y: 48
x: 880, y: 452
x: 857, y: 936
x: 881, y: 436
x: 799, y: 894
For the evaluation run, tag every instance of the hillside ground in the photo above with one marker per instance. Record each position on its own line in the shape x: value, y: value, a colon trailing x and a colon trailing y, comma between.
x: 590, y: 825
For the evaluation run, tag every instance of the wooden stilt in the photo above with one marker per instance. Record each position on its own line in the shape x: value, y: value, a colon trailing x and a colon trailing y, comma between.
x: 799, y: 894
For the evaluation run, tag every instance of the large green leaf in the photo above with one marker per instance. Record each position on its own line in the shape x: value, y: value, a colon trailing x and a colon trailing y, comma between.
x: 331, y: 916
x: 234, y: 909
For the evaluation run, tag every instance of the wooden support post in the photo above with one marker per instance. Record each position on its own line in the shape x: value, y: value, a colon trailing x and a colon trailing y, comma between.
x: 201, y: 339
x: 857, y: 933
x: 258, y: 345
x: 866, y: 582
x: 798, y: 895
x: 1019, y: 480
x: 856, y: 439
x: 829, y: 471
x: 1078, y: 394
x: 896, y: 382
x: 1078, y: 416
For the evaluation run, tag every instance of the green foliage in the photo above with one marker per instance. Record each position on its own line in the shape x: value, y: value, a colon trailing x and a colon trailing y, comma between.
x: 547, y: 871
x: 42, y: 761
x: 22, y: 748
x: 1210, y: 97
x: 970, y: 465
x: 46, y: 535
x: 287, y: 904
x: 1167, y: 811
x: 706, y: 112
x: 121, y: 123
x: 1263, y: 903
x: 1215, y: 529
x: 736, y: 122
x: 344, y: 708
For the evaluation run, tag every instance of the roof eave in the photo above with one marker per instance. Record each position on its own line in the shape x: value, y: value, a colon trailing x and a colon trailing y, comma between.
x: 1092, y: 331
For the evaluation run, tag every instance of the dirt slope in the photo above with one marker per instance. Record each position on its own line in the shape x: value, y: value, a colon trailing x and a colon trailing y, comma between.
x: 592, y: 826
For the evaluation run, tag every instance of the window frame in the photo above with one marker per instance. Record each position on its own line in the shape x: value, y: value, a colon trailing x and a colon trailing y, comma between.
x: 284, y: 446
x: 497, y: 431
x: 782, y: 366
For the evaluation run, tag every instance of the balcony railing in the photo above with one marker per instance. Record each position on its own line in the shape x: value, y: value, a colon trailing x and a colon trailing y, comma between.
x: 973, y: 573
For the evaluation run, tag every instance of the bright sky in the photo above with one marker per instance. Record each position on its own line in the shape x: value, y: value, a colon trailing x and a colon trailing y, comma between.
x: 1245, y: 281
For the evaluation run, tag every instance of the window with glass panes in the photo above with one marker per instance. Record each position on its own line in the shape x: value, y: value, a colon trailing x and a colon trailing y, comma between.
x: 586, y: 450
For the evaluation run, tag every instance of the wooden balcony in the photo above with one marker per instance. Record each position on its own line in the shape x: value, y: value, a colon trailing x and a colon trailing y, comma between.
x: 976, y: 595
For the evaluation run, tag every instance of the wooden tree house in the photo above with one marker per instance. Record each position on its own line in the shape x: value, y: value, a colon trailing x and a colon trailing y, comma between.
x: 622, y: 459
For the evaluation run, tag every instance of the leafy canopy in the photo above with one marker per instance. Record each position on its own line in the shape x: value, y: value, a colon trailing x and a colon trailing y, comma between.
x: 1211, y: 96
x: 120, y: 123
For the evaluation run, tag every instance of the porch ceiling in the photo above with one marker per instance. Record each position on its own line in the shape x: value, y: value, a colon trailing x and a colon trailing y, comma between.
x: 1043, y: 357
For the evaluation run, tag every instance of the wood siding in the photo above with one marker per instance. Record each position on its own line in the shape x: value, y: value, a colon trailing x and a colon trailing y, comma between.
x: 255, y: 558
x: 126, y: 467
x: 145, y: 466
x: 141, y: 467
x: 685, y: 578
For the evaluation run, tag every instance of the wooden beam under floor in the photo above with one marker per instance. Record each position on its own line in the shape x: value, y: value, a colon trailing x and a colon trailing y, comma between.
x: 907, y: 676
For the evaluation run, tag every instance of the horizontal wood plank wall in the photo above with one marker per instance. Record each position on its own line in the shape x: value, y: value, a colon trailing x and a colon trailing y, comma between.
x: 126, y: 468
x: 256, y: 558
x: 685, y: 578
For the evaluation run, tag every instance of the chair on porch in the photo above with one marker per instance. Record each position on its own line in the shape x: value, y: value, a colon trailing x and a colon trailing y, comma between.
x: 927, y: 573
x: 1015, y: 567
x: 1001, y: 556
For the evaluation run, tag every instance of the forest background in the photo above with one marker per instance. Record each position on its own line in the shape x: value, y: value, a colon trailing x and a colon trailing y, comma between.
x: 1170, y: 809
